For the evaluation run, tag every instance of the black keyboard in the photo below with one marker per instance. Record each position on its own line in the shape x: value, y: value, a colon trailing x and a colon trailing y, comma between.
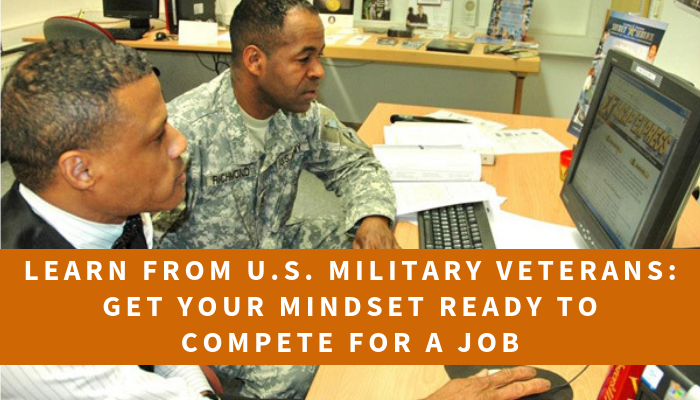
x: 461, y: 226
x: 127, y: 33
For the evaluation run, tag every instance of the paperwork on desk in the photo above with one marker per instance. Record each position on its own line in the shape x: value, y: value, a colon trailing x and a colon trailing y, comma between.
x: 483, y: 124
x: 511, y: 231
x: 429, y: 163
x: 358, y: 40
x: 198, y: 33
x: 436, y: 134
x: 524, y: 141
x: 333, y: 38
x: 412, y: 197
x: 478, y: 134
x: 426, y: 177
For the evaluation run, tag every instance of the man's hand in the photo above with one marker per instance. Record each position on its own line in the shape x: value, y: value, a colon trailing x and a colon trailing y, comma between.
x: 507, y: 384
x: 374, y: 233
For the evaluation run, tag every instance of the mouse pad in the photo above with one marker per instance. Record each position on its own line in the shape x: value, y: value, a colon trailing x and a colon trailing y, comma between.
x: 556, y: 393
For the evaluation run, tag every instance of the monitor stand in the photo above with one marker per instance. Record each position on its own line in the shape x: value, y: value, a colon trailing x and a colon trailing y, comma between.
x: 557, y: 393
x: 140, y: 23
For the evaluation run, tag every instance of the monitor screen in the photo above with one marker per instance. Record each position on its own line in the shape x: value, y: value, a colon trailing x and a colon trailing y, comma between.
x: 136, y: 11
x: 637, y: 157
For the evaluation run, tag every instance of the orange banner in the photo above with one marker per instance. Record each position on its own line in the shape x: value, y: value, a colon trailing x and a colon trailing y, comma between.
x: 348, y: 307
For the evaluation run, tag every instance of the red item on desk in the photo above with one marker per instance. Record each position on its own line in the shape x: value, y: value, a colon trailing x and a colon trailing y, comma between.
x: 564, y: 162
x: 622, y: 382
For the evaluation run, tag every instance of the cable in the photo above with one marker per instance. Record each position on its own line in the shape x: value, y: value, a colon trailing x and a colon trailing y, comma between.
x: 203, y: 64
x: 554, y: 389
x: 218, y: 63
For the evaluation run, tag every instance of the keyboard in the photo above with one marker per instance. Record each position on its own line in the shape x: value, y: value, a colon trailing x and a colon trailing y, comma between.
x: 127, y: 33
x: 461, y: 226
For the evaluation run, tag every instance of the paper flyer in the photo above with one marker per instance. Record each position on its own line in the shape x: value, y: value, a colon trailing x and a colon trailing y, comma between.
x: 510, y: 19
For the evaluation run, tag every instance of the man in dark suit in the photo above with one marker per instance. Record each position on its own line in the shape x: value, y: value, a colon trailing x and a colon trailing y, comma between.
x: 84, y: 128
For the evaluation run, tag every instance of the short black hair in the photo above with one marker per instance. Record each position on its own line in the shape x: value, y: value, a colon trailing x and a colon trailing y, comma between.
x: 59, y: 97
x: 260, y: 23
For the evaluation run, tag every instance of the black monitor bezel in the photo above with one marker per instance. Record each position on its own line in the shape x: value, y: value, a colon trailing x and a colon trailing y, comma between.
x: 110, y: 11
x: 658, y: 227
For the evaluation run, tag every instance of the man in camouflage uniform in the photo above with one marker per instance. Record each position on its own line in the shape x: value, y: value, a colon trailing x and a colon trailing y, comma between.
x: 251, y: 131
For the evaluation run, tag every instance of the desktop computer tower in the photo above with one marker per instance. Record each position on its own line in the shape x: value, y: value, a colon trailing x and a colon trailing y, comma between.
x: 670, y: 382
x: 188, y: 10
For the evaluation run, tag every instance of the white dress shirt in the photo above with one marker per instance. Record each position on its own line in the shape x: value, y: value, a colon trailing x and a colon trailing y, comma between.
x: 79, y: 232
x: 92, y: 382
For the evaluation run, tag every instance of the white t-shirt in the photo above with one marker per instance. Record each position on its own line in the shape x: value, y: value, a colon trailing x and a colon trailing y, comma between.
x: 258, y: 128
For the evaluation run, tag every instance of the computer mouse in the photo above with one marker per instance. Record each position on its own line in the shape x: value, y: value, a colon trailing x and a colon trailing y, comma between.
x: 161, y: 36
x: 560, y: 390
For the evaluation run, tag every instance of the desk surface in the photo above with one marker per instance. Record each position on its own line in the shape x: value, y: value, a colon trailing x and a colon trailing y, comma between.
x: 529, y: 181
x: 369, y: 51
x: 412, y: 382
x: 373, y: 52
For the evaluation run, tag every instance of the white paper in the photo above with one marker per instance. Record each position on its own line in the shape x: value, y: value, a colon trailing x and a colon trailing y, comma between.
x: 429, y: 163
x: 511, y: 231
x: 483, y: 124
x: 198, y: 33
x: 417, y: 196
x: 333, y: 39
x: 432, y: 34
x: 524, y: 141
x: 437, y: 134
x: 358, y: 40
x: 464, y: 35
x: 438, y: 13
x: 224, y: 37
x: 465, y: 13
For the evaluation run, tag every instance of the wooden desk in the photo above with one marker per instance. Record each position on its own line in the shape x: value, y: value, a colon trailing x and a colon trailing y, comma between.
x: 412, y: 382
x: 371, y: 51
x: 530, y: 181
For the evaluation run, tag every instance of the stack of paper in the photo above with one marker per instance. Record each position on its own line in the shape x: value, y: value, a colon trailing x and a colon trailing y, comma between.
x: 436, y: 134
x: 499, y: 140
x: 407, y: 163
x: 412, y: 197
x: 467, y: 135
x: 430, y: 169
x: 436, y: 164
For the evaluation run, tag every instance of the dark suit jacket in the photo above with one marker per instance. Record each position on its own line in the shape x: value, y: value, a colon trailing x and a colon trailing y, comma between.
x: 23, y: 229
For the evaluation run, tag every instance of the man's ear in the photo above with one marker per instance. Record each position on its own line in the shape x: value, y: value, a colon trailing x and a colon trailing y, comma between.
x: 254, y: 59
x: 75, y: 168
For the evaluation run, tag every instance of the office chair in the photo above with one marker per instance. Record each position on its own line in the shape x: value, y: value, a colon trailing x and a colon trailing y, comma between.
x: 74, y: 28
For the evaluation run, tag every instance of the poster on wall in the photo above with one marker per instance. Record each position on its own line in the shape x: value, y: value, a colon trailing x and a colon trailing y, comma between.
x: 692, y: 6
x: 638, y: 36
x: 376, y: 10
x: 433, y: 17
x: 343, y: 7
x: 510, y: 19
x: 335, y: 13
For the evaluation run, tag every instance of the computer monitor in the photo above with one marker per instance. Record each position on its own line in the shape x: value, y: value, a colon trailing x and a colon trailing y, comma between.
x: 188, y: 10
x: 137, y: 12
x: 637, y: 158
x: 670, y: 382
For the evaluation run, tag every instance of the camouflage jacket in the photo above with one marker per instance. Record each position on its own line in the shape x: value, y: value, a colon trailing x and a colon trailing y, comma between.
x: 241, y: 197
